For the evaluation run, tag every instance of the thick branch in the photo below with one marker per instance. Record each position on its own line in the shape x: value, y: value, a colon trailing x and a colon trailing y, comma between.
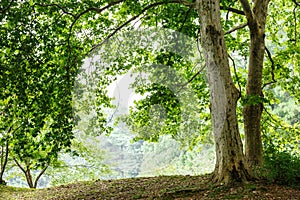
x: 248, y: 11
x: 39, y: 176
x: 19, y: 165
x: 236, y: 28
x: 234, y: 10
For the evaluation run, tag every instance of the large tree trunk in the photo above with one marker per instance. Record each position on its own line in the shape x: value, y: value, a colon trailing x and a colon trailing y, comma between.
x: 253, y: 107
x: 230, y: 162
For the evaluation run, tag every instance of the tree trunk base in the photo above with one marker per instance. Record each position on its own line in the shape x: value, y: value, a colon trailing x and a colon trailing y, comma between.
x: 227, y: 177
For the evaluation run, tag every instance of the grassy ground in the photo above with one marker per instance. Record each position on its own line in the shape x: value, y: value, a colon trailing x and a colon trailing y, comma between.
x: 162, y: 187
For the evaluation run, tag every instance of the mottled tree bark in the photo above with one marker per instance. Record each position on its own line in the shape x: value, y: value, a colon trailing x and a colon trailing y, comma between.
x: 230, y: 161
x: 252, y: 111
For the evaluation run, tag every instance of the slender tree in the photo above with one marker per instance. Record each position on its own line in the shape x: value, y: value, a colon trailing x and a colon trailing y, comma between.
x: 256, y: 20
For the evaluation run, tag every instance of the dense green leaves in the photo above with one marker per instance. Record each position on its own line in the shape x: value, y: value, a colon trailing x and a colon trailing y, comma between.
x: 43, y: 44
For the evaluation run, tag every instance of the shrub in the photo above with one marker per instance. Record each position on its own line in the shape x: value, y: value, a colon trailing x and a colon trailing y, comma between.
x: 282, y: 167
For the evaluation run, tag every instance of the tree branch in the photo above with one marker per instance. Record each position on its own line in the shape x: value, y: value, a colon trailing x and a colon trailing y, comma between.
x: 132, y: 19
x: 19, y: 165
x: 236, y: 75
x: 248, y: 11
x: 56, y: 5
x: 192, y: 78
x: 272, y: 68
x: 5, y: 9
x: 277, y: 121
x: 97, y: 10
x: 76, y: 18
x: 39, y: 176
x: 297, y: 3
x: 295, y: 23
x: 236, y: 28
x: 186, y: 3
x: 184, y: 20
x: 200, y: 70
x: 234, y: 10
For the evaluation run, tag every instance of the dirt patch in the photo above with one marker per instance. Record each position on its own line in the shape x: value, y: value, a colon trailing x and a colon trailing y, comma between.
x: 161, y: 187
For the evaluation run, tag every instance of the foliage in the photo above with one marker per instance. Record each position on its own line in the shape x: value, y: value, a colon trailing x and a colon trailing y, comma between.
x: 281, y: 144
x: 84, y: 162
x: 37, y: 73
x: 168, y: 157
x: 281, y: 167
x: 43, y: 44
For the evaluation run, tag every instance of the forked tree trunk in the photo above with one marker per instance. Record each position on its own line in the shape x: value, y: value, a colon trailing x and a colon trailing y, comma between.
x: 253, y: 108
x: 28, y: 175
x: 230, y: 161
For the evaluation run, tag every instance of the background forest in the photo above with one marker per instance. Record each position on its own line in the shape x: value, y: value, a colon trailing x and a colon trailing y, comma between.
x: 79, y: 101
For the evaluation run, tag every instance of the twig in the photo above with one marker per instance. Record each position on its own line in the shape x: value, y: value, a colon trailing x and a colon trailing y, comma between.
x: 97, y: 10
x: 295, y: 23
x: 185, y: 19
x: 297, y: 3
x: 201, y: 69
x: 198, y: 43
x: 5, y: 9
x: 236, y: 28
x: 275, y: 120
x: 237, y: 77
x: 56, y: 5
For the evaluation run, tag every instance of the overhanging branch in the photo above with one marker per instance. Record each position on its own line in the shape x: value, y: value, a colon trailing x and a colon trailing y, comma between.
x: 132, y: 19
x: 56, y: 5
x: 97, y: 10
